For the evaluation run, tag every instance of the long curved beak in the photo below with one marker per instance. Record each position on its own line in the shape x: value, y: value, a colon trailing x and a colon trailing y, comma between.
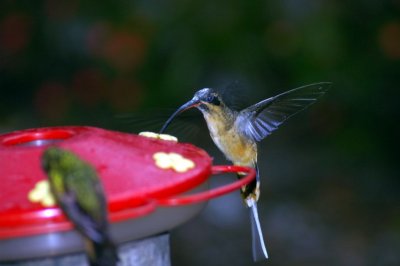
x: 190, y: 104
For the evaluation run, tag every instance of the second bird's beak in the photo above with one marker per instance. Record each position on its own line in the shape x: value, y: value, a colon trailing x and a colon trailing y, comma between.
x: 190, y: 104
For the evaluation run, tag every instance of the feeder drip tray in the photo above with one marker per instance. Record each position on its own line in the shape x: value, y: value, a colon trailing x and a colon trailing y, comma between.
x: 152, y: 186
x: 149, y: 251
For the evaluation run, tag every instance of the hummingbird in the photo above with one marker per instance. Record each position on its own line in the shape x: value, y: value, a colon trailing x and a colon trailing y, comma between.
x: 79, y: 192
x: 236, y: 134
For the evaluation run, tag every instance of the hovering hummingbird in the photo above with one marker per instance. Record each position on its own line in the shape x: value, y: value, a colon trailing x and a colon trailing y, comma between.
x: 236, y: 134
x: 79, y: 193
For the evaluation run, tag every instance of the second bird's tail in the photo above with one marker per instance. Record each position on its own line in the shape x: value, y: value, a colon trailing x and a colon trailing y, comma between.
x: 102, y: 254
x: 258, y: 245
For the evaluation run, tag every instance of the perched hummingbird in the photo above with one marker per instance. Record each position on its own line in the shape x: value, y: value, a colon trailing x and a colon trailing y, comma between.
x: 79, y: 193
x: 236, y: 134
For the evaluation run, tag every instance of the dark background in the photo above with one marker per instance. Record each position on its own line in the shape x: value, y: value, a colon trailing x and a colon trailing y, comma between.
x: 330, y: 192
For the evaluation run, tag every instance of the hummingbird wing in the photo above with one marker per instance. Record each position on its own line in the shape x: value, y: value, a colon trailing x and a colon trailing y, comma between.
x: 261, y: 119
x: 81, y: 217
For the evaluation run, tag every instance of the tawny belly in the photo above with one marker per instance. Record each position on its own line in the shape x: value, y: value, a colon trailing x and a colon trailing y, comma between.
x: 237, y: 150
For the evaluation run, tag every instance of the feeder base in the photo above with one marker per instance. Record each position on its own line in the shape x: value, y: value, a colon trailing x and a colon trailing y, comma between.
x: 153, y: 251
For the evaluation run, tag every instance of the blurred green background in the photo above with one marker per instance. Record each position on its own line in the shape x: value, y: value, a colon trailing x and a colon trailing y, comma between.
x: 330, y: 192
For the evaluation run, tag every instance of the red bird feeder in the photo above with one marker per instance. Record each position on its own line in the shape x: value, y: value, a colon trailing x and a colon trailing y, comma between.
x: 144, y: 200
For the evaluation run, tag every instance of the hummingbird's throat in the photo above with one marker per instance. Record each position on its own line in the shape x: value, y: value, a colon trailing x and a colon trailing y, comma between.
x: 203, y: 107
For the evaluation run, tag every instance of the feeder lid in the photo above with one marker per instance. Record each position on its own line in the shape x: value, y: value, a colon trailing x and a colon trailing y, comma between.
x: 124, y: 162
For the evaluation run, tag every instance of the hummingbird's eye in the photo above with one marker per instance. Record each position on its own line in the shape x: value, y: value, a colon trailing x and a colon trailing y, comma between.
x: 213, y: 99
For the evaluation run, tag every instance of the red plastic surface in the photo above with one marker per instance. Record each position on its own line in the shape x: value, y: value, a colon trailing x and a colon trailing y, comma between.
x: 216, y: 192
x: 134, y: 185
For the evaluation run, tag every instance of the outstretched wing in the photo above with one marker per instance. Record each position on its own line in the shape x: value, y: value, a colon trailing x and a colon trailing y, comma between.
x: 261, y: 119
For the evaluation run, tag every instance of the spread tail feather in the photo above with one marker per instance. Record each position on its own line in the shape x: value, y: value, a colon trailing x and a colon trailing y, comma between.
x: 259, y: 250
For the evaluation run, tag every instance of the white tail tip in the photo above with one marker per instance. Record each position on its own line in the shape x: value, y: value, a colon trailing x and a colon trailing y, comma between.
x: 259, y: 250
